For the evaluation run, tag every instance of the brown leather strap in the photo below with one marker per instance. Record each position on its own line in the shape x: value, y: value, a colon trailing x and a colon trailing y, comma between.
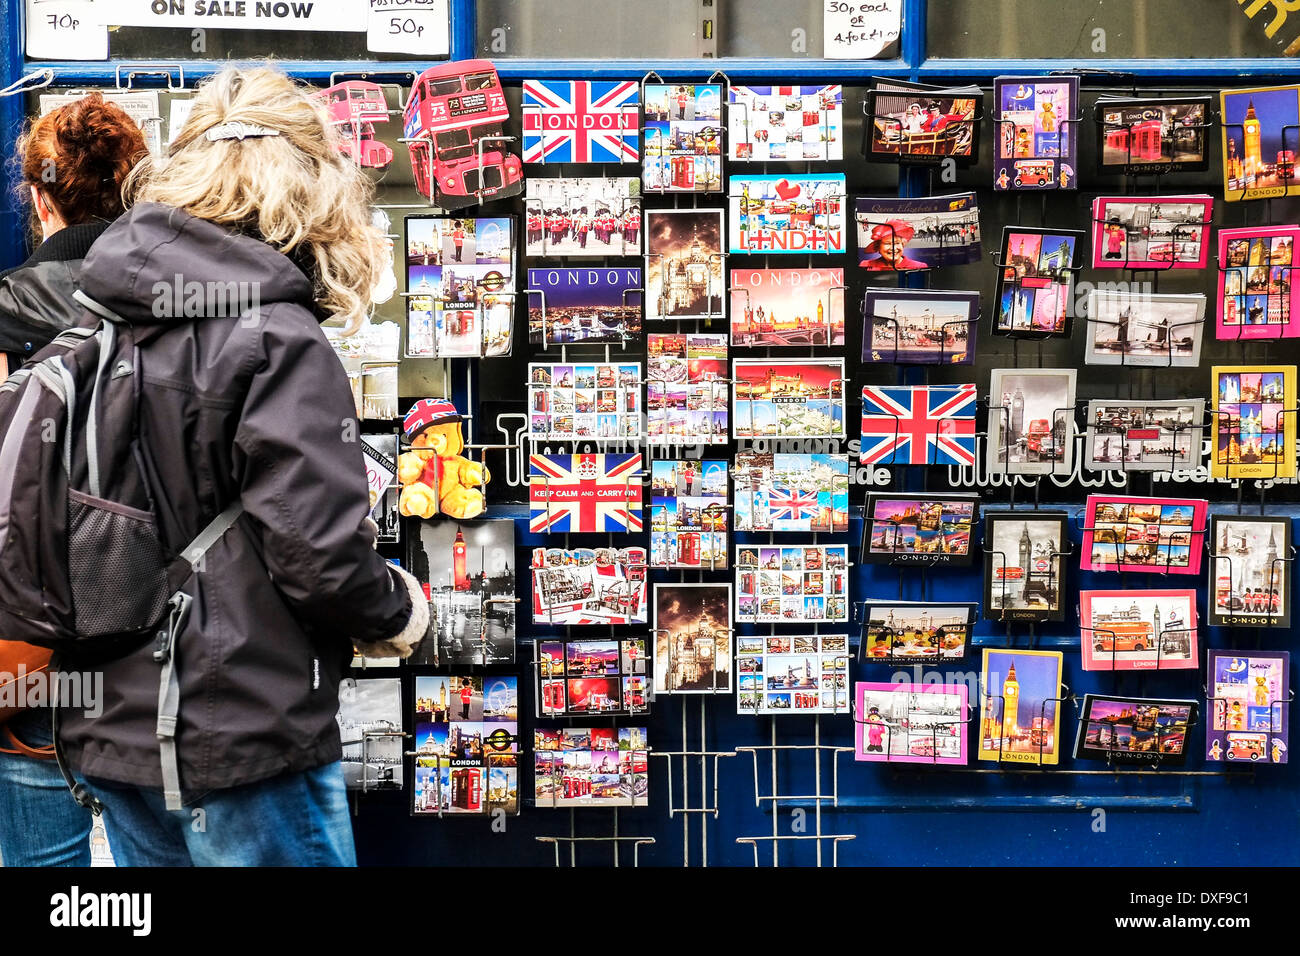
x: 22, y: 750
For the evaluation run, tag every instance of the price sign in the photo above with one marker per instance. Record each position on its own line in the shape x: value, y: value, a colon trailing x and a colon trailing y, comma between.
x: 860, y: 29
x: 65, y: 30
x: 416, y: 27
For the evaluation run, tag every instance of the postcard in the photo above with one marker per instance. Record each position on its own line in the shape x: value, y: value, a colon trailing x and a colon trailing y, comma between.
x: 1031, y: 421
x: 589, y: 586
x: 584, y: 305
x: 919, y: 326
x: 1156, y: 535
x: 370, y: 726
x: 689, y: 511
x: 693, y: 634
x: 918, y: 425
x: 792, y: 492
x: 792, y: 583
x: 1141, y: 135
x: 904, y: 235
x: 1256, y: 298
x: 787, y: 214
x: 1249, y: 701
x: 800, y: 674
x: 470, y: 570
x: 1138, y: 630
x: 1252, y: 423
x: 1133, y: 729
x: 582, y: 217
x: 909, y: 631
x: 920, y: 529
x: 785, y: 123
x: 1024, y: 574
x: 1144, y: 329
x: 911, y: 723
x: 920, y: 123
x: 684, y: 264
x: 586, y: 402
x: 687, y: 395
x: 683, y: 137
x: 466, y: 745
x: 1151, y: 232
x: 1144, y: 435
x: 1037, y: 132
x: 1251, y: 567
x: 591, y: 767
x: 581, y: 121
x: 1036, y: 281
x: 461, y: 282
x: 584, y: 493
x: 370, y: 358
x: 584, y: 678
x: 379, y: 452
x: 1261, y: 128
x: 794, y: 398
x: 1021, y: 709
x: 787, y: 308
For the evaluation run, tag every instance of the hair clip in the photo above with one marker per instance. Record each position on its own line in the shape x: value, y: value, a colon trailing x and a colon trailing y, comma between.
x: 240, y: 131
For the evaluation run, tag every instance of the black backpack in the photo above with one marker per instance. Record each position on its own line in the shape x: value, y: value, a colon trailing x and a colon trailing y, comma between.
x: 82, y: 567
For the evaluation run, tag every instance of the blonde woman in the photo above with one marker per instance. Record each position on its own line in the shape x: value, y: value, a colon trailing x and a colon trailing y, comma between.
x: 251, y: 231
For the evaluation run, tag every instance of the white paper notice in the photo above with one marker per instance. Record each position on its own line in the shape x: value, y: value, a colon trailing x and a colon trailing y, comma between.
x: 180, y: 114
x: 862, y: 29
x: 65, y: 30
x: 140, y: 105
x: 419, y: 27
x: 344, y: 16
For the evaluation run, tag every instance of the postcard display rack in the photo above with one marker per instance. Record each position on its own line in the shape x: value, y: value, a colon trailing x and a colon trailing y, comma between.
x: 673, y: 535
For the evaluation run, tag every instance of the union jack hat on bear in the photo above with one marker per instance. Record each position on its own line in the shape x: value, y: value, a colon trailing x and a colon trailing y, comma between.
x: 426, y: 413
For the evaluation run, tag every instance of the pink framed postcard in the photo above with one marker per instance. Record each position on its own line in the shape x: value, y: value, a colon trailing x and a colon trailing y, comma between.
x: 1151, y: 232
x: 1157, y: 535
x: 1138, y: 630
x: 1257, y: 297
x: 911, y: 723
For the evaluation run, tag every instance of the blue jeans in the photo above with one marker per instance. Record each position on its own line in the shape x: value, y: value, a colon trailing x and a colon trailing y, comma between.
x: 40, y: 823
x: 295, y: 819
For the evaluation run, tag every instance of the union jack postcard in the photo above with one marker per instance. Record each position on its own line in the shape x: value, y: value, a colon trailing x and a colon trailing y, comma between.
x: 792, y: 492
x: 581, y: 121
x: 589, y: 586
x: 918, y: 425
x: 584, y: 493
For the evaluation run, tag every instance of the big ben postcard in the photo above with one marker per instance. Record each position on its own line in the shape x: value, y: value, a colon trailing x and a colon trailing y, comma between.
x: 1261, y: 135
x: 1252, y: 424
x: 1020, y: 710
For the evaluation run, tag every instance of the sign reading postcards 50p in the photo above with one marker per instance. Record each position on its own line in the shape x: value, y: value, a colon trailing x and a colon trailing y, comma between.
x: 787, y: 214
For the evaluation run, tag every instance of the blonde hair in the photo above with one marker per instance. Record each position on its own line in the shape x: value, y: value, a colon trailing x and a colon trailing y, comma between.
x: 296, y: 190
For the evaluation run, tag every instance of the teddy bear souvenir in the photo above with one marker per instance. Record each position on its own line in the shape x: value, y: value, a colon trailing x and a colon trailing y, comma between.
x: 435, y: 477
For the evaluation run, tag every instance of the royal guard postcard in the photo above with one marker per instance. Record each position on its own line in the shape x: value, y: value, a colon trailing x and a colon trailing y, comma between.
x: 909, y: 631
x: 591, y: 767
x: 1256, y: 299
x: 1127, y: 435
x: 1249, y: 699
x: 1261, y: 133
x: 1156, y: 535
x: 689, y: 512
x: 582, y: 217
x: 466, y: 745
x: 584, y: 493
x: 774, y: 215
x: 1250, y: 570
x: 1036, y: 272
x: 581, y: 121
x: 918, y: 529
x: 566, y: 306
x: 687, y: 393
x: 918, y: 425
x: 1138, y: 630
x: 1133, y: 729
x: 1020, y: 716
x: 1163, y: 330
x: 683, y: 138
x: 787, y: 308
x: 911, y: 723
x: 692, y: 638
x: 593, y: 402
x: 919, y: 326
x: 683, y: 271
x: 583, y: 678
x: 1037, y: 132
x: 790, y: 491
x: 792, y: 583
x: 1031, y: 421
x: 1153, y: 135
x: 589, y: 586
x: 1157, y: 233
x: 794, y: 398
x: 461, y: 281
x: 802, y: 674
x: 907, y: 235
x: 1253, y: 421
x: 920, y: 123
x: 1024, y: 574
x: 785, y: 123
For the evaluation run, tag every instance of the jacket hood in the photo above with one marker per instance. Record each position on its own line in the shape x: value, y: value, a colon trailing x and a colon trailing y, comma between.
x: 157, y: 265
